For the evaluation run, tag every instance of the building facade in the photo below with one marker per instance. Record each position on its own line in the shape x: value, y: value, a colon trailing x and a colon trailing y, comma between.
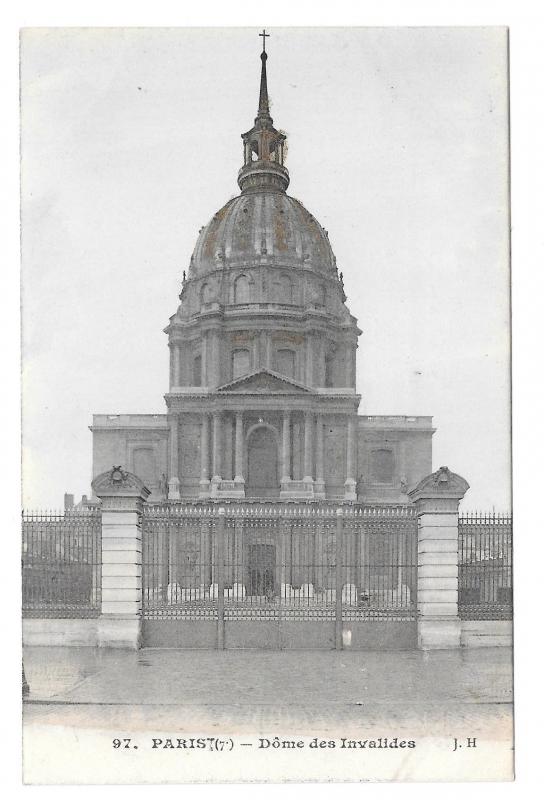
x: 262, y: 400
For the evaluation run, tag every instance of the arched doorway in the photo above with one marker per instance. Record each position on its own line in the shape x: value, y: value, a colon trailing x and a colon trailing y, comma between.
x: 262, y: 463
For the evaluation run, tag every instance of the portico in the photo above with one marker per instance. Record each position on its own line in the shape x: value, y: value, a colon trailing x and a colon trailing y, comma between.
x: 262, y: 436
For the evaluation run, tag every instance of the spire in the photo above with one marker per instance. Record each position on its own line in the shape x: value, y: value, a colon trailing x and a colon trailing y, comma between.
x: 264, y: 146
x: 264, y: 110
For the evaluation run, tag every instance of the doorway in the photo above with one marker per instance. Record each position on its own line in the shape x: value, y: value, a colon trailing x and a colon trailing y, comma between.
x: 261, y: 570
x: 262, y: 464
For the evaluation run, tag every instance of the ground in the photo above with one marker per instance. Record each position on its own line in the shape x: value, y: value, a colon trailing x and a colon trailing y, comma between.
x: 429, y: 697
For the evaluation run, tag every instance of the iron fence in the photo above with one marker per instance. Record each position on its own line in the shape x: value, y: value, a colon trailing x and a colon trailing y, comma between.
x: 61, y: 564
x: 271, y: 561
x: 380, y: 566
x: 485, y: 566
x: 265, y: 560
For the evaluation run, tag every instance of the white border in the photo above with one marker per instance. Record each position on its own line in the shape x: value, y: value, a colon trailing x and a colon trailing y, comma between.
x: 525, y: 20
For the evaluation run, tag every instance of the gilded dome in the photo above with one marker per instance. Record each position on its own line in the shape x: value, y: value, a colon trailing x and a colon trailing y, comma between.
x: 261, y: 224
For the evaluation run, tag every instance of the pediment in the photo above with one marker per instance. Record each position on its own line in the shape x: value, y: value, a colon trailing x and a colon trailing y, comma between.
x: 264, y: 382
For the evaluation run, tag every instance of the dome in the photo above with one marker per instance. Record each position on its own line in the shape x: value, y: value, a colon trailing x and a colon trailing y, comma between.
x: 262, y: 248
x: 262, y: 224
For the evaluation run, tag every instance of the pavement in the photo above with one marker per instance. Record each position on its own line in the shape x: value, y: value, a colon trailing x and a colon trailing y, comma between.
x: 256, y: 691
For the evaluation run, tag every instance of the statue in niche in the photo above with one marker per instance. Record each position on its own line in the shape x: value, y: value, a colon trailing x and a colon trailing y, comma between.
x: 163, y: 486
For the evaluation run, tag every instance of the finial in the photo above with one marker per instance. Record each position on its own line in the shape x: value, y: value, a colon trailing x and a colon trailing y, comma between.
x: 264, y: 36
x: 264, y: 110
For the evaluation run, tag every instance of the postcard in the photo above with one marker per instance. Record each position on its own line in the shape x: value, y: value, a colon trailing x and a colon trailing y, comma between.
x: 267, y: 524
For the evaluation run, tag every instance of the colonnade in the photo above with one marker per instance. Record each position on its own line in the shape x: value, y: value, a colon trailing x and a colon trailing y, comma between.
x: 212, y: 466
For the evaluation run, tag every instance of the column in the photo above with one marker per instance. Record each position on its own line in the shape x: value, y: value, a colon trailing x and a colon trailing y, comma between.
x: 319, y: 464
x: 319, y: 372
x: 216, y: 455
x: 176, y: 371
x: 350, y: 482
x: 349, y: 364
x: 285, y: 451
x: 204, y: 360
x: 204, y: 456
x: 309, y: 378
x: 173, y: 482
x: 239, y: 448
x: 437, y: 502
x: 308, y: 419
x: 122, y: 496
x: 171, y: 347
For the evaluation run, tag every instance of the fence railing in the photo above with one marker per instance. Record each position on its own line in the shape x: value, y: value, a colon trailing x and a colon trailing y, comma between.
x: 485, y: 566
x: 279, y: 560
x: 265, y: 560
x: 61, y: 563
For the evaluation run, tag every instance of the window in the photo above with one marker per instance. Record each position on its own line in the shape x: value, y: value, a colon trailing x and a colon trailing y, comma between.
x: 381, y: 466
x: 205, y: 294
x: 240, y: 363
x: 197, y: 371
x: 285, y: 363
x: 241, y: 289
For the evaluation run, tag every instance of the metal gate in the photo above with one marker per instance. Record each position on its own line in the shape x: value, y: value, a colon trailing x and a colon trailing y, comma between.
x: 279, y: 576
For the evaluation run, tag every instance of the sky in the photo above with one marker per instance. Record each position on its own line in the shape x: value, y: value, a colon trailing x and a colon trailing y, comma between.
x: 398, y: 144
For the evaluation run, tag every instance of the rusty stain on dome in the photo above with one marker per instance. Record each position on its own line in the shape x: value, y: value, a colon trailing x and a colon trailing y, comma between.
x: 238, y: 229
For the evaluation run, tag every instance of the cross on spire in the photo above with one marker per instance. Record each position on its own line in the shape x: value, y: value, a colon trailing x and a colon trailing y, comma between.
x: 265, y: 36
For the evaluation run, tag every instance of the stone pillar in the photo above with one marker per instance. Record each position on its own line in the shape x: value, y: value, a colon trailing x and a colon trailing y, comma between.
x: 437, y: 501
x: 319, y: 372
x: 309, y: 378
x: 239, y: 448
x: 176, y: 366
x: 171, y: 348
x: 319, y: 460
x: 285, y: 451
x: 349, y: 365
x: 204, y: 360
x: 213, y: 359
x: 268, y: 345
x: 350, y: 483
x: 308, y: 470
x: 204, y: 456
x: 122, y: 497
x: 173, y: 483
x: 216, y: 455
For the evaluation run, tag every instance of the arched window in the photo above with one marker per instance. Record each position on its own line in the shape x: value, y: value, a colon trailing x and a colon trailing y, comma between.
x: 241, y: 289
x: 205, y: 293
x: 285, y: 363
x: 240, y: 363
x: 197, y: 371
x: 381, y: 466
